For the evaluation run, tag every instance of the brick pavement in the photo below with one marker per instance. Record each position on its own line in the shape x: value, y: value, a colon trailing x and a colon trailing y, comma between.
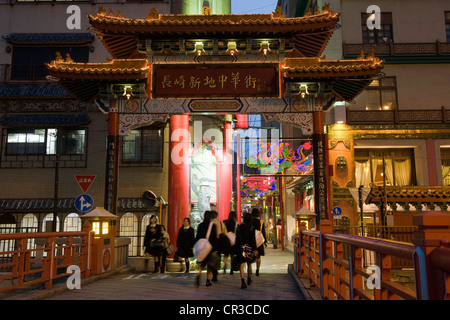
x: 274, y: 283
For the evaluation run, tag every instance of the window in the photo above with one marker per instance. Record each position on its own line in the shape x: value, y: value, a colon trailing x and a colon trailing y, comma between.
x: 383, y: 35
x: 72, y: 141
x: 73, y: 222
x: 382, y: 94
x: 445, y: 165
x: 28, y: 63
x: 129, y: 228
x: 398, y: 168
x: 143, y: 145
x: 44, y: 141
x: 447, y: 25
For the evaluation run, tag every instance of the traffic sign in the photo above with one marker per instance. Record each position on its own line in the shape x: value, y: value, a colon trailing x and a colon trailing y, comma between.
x: 84, y: 181
x: 337, y: 211
x: 84, y: 203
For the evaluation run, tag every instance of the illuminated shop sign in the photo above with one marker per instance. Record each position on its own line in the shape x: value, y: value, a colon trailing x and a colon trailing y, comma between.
x: 274, y: 157
x: 216, y: 81
x: 256, y: 186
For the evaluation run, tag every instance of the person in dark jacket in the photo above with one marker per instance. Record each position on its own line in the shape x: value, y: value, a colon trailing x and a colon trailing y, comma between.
x: 185, y: 242
x: 231, y: 225
x: 258, y: 224
x: 151, y: 241
x: 246, y: 236
x: 202, y: 231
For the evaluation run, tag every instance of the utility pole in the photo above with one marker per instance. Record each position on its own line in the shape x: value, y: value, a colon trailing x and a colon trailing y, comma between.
x: 361, y: 209
x: 56, y: 184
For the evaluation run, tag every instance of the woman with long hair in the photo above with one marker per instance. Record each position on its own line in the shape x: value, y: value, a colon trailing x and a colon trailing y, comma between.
x: 202, y: 231
x: 185, y: 242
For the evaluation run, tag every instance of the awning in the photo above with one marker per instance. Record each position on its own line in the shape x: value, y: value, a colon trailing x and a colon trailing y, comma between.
x: 304, y: 213
x: 45, y: 120
x: 64, y: 205
x: 49, y: 38
x: 36, y: 205
x: 47, y: 90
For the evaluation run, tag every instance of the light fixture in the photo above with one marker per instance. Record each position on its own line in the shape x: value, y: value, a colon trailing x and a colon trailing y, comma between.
x: 127, y: 92
x: 199, y: 48
x: 303, y: 90
x: 340, y: 112
x: 232, y: 48
x: 265, y: 47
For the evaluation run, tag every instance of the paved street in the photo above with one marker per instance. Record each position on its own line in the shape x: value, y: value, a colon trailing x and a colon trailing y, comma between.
x: 274, y: 283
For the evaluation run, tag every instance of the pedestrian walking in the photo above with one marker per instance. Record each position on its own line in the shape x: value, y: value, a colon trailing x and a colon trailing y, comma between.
x: 163, y: 256
x: 231, y: 224
x: 208, y: 262
x: 154, y: 242
x: 185, y: 242
x: 223, y: 243
x: 246, y: 248
x: 258, y: 224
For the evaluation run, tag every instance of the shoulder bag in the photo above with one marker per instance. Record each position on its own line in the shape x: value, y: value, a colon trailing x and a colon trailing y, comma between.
x: 259, y: 236
x: 232, y: 235
x: 203, y: 247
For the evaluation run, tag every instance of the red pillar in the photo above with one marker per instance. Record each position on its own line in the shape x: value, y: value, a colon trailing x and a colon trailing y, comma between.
x: 320, y: 163
x: 226, y: 172
x: 112, y: 160
x: 238, y: 177
x: 179, y: 206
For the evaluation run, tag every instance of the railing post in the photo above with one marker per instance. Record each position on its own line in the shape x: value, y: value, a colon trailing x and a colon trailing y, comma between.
x: 433, y: 230
x: 301, y: 251
x: 357, y: 279
x: 50, y: 263
x: 326, y: 264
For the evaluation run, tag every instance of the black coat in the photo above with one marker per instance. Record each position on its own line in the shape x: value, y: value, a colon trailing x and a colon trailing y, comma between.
x: 230, y: 224
x: 245, y: 235
x: 150, y: 234
x: 185, y: 242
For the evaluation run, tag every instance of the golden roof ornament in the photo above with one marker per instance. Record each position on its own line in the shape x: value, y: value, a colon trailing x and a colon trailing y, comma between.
x: 101, y: 11
x: 278, y: 13
x: 361, y: 55
x: 206, y: 10
x: 119, y: 14
x: 59, y: 58
x: 68, y: 57
x: 153, y: 14
x: 111, y: 13
x: 326, y: 8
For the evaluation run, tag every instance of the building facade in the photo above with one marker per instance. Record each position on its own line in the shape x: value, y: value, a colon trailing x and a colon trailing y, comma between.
x: 400, y: 120
x: 49, y: 136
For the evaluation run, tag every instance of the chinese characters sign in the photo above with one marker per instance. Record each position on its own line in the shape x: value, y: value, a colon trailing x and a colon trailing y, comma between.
x: 216, y: 81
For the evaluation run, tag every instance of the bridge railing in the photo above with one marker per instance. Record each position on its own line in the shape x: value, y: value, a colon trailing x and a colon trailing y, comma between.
x: 42, y: 257
x: 319, y: 257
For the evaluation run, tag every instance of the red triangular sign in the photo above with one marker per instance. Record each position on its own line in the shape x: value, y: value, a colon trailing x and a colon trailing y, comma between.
x: 84, y: 181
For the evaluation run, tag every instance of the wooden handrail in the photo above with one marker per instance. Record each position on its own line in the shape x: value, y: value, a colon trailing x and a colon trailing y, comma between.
x: 392, y: 248
x: 25, y: 266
